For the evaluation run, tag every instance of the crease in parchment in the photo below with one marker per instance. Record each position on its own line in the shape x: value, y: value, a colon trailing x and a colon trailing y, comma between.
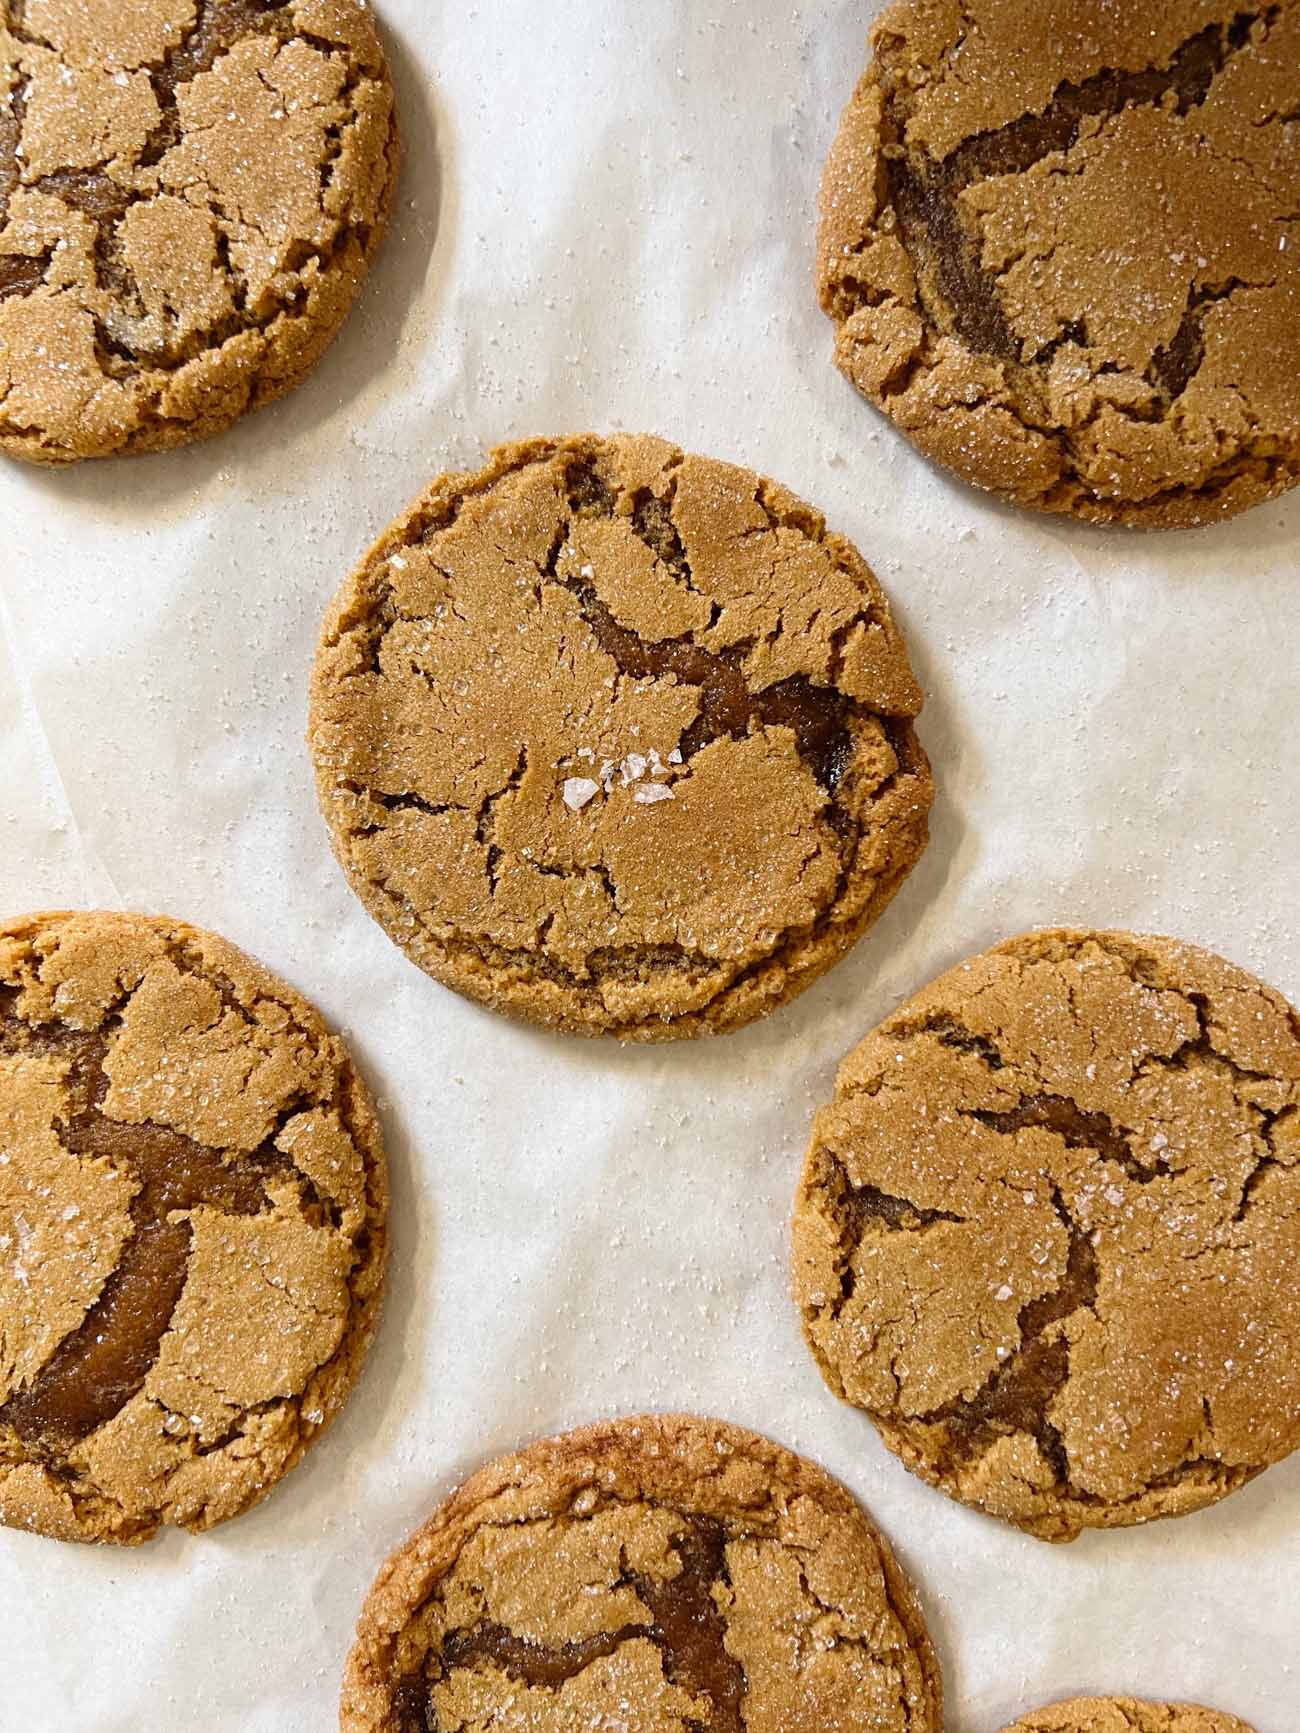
x: 99, y: 887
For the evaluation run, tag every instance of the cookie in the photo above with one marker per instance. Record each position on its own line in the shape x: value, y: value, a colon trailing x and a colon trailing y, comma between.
x: 666, y: 1573
x: 618, y: 739
x: 1126, y: 1715
x: 1060, y: 242
x: 1048, y: 1234
x: 191, y: 192
x: 192, y: 1208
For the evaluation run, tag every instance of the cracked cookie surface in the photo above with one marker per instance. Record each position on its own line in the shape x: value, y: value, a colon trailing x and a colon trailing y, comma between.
x: 664, y: 1573
x: 1048, y: 1233
x: 618, y: 739
x: 1060, y: 242
x: 192, y: 1227
x: 1126, y: 1715
x: 190, y: 195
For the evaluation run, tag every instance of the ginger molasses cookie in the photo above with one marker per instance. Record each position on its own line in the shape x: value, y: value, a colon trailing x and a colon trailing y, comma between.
x: 1126, y: 1715
x: 1060, y: 241
x: 192, y: 1226
x: 667, y: 1574
x: 1048, y: 1233
x: 190, y: 195
x: 618, y: 739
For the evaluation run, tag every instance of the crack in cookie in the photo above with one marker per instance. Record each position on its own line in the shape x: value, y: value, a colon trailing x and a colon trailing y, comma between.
x: 1047, y: 1231
x: 1017, y: 1397
x: 96, y: 1370
x: 686, y: 1627
x: 729, y: 709
x: 618, y: 739
x: 189, y: 203
x: 1076, y: 1129
x: 194, y: 1186
x: 926, y: 194
x: 1057, y: 268
x: 673, y: 1570
x: 218, y: 26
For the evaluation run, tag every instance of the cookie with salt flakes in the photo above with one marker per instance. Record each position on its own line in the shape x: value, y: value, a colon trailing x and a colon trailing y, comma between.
x: 1048, y: 1231
x: 618, y: 739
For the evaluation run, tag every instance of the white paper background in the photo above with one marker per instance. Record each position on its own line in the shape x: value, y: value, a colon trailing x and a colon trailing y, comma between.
x: 606, y: 221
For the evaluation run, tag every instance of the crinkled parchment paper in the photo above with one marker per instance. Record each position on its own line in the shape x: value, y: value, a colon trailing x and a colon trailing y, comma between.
x: 606, y: 221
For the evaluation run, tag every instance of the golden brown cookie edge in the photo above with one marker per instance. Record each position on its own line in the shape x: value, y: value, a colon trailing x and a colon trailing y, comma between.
x: 1076, y: 1715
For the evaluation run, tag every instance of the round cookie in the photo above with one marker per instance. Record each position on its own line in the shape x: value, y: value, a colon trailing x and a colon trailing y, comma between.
x: 1126, y: 1715
x: 190, y: 195
x: 618, y: 739
x: 192, y: 1227
x: 1060, y: 242
x: 666, y: 1573
x: 1048, y: 1234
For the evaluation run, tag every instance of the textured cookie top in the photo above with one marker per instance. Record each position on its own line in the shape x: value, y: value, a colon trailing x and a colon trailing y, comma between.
x: 669, y: 1574
x: 618, y: 739
x: 1060, y: 240
x: 1048, y: 1235
x: 1126, y: 1715
x: 192, y: 1201
x: 189, y: 193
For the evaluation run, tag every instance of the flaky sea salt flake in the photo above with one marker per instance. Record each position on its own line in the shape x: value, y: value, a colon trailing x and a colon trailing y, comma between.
x: 578, y: 790
x: 651, y: 792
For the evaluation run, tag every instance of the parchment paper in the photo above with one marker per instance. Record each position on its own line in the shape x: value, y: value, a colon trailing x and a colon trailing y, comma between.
x: 606, y: 221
